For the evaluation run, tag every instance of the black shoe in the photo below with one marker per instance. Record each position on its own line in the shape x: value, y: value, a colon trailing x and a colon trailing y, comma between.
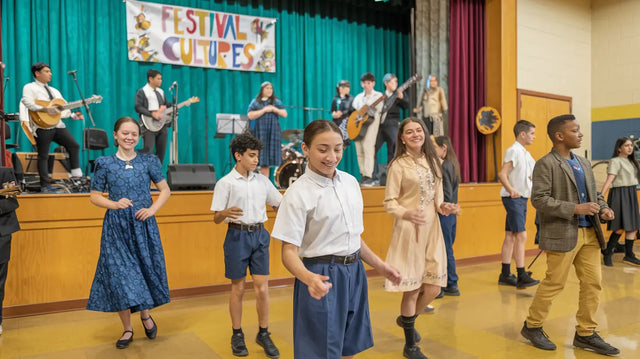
x: 366, y: 182
x: 441, y: 294
x: 264, y: 340
x: 631, y: 260
x: 413, y: 352
x: 525, y: 281
x: 238, y: 347
x: 416, y: 336
x: 151, y: 333
x: 452, y: 291
x: 509, y: 280
x: 607, y: 259
x: 46, y: 180
x: 537, y: 337
x: 595, y: 343
x: 124, y: 343
x: 619, y: 248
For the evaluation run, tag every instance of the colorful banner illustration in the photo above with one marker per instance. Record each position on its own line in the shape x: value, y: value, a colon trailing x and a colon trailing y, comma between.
x: 181, y: 35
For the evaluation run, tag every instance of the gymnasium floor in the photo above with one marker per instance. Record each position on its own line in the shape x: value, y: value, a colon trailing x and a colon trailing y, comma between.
x: 482, y: 323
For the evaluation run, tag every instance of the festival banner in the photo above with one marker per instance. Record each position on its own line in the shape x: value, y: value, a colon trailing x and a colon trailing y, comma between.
x: 181, y: 35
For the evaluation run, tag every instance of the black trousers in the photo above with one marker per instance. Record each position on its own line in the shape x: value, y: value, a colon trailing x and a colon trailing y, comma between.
x: 61, y: 136
x: 3, y: 279
x: 155, y: 139
x: 387, y: 134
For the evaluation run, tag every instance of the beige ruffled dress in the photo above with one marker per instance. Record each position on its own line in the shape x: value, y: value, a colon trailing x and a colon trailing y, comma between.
x: 417, y: 251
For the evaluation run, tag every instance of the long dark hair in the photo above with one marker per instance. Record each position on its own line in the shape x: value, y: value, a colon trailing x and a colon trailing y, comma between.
x: 632, y: 157
x: 271, y: 100
x: 451, y: 155
x: 427, y: 147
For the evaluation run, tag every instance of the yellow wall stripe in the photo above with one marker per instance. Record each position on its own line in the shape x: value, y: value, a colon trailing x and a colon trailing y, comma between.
x: 615, y: 112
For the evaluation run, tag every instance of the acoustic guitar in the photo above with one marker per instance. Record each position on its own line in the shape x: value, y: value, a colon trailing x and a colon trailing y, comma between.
x: 359, y: 121
x: 45, y: 120
x: 155, y: 125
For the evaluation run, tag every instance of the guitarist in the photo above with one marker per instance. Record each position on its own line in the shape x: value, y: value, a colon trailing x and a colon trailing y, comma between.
x: 150, y: 101
x: 390, y: 118
x: 365, y: 145
x: 40, y: 90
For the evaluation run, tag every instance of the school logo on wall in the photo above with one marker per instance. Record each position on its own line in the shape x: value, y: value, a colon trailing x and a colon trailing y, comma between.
x: 181, y: 35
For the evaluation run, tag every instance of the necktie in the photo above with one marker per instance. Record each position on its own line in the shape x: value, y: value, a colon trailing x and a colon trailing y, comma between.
x: 159, y: 96
x: 49, y: 92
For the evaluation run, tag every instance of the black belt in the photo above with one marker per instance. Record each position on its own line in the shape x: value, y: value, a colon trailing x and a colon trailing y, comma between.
x: 350, y: 259
x: 246, y: 227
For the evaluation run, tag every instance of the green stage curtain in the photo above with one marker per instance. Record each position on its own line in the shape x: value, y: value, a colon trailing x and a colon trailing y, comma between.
x: 318, y: 43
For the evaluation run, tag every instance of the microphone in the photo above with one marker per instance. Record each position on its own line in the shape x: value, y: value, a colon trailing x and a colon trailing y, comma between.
x: 174, y: 84
x: 71, y: 72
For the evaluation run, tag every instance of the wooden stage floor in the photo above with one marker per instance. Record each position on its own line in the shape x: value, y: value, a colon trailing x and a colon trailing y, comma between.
x: 484, y: 322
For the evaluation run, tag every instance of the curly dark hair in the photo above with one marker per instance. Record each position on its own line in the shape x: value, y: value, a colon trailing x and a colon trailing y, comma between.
x: 243, y: 142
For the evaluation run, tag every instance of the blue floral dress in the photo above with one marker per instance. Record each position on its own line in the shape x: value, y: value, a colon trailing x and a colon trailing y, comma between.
x: 267, y: 130
x: 131, y: 271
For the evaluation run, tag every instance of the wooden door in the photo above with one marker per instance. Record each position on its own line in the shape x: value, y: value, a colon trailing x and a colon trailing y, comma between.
x: 539, y: 108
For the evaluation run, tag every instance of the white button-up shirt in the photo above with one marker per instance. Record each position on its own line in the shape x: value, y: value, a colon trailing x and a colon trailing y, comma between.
x: 249, y: 194
x: 321, y: 216
x: 35, y: 91
x: 520, y: 175
x: 361, y: 99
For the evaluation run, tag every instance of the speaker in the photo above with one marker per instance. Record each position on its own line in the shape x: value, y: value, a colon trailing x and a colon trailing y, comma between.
x: 182, y: 177
x: 95, y: 139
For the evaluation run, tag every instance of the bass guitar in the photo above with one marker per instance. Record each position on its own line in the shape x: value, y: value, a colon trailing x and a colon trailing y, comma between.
x: 359, y: 120
x: 155, y: 125
x: 45, y: 120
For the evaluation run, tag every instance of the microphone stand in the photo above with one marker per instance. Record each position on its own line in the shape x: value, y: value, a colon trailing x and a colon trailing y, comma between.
x: 174, y: 115
x: 86, y: 107
x: 2, y: 122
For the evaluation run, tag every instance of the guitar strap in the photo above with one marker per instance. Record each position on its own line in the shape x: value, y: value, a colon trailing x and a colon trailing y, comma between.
x: 386, y: 106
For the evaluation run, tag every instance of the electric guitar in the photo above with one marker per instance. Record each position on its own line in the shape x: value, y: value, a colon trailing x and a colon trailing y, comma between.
x: 360, y: 120
x: 155, y: 125
x: 45, y: 120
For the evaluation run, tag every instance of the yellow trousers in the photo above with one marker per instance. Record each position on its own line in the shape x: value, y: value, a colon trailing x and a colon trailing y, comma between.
x: 585, y: 257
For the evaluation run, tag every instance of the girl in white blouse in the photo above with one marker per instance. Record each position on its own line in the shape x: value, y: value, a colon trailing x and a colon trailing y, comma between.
x: 319, y: 223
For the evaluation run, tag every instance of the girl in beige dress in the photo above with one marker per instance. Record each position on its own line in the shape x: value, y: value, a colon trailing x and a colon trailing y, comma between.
x: 414, y: 198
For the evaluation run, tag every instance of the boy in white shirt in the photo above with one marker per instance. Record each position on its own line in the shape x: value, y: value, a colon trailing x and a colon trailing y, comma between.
x: 515, y: 176
x: 239, y: 200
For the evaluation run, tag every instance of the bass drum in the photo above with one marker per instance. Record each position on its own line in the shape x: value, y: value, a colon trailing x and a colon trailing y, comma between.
x: 289, y: 172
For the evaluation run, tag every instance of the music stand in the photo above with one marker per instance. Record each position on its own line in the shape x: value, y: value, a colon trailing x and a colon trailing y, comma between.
x: 232, y: 124
x: 227, y: 123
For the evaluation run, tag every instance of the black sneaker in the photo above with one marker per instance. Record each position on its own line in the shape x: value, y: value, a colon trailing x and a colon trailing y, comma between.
x: 595, y: 343
x: 441, y: 294
x: 634, y: 261
x: 537, y: 337
x: 607, y: 258
x: 525, y: 281
x: 619, y: 248
x: 264, y: 340
x: 238, y: 347
x: 416, y: 336
x: 509, y: 280
x: 413, y: 352
x: 452, y: 291
x: 366, y: 182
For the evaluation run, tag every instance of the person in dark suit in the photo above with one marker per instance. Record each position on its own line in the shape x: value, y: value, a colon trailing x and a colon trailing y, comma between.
x: 570, y: 209
x: 8, y: 225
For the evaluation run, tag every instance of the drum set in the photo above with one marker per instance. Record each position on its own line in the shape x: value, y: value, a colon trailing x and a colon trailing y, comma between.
x: 293, y: 161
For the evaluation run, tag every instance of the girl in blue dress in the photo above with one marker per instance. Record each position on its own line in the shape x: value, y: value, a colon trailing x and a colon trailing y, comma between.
x: 265, y: 110
x: 131, y: 275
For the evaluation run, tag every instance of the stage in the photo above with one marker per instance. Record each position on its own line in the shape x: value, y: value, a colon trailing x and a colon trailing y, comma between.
x: 54, y: 256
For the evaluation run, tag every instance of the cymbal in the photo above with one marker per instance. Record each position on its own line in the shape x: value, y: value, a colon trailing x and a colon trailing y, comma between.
x: 292, y: 134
